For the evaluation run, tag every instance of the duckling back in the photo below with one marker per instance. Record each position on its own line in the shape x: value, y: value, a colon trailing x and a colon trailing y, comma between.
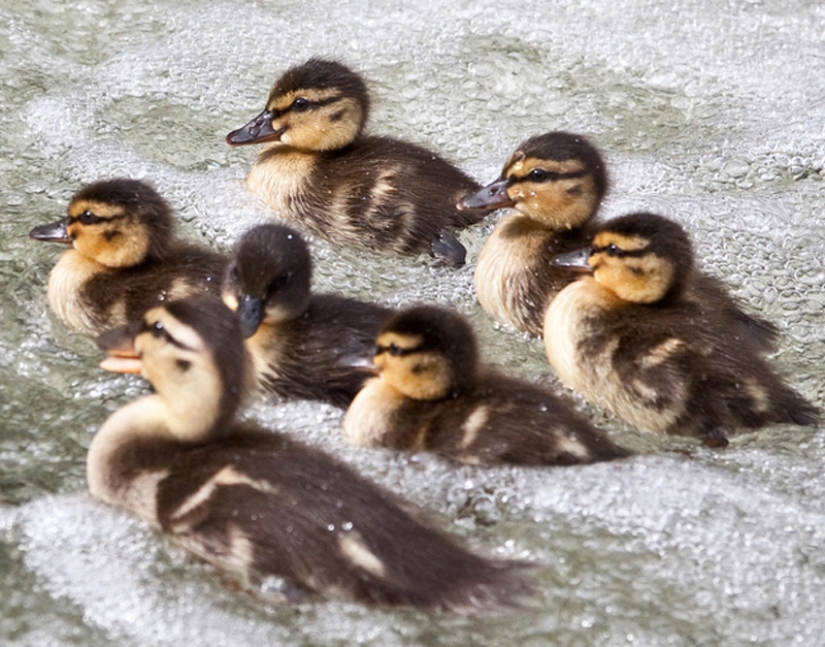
x: 319, y: 171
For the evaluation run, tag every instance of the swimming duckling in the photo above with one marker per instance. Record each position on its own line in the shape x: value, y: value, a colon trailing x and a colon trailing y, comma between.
x: 124, y: 257
x: 254, y: 502
x: 319, y: 171
x: 316, y: 347
x: 556, y: 182
x: 431, y: 394
x: 630, y: 340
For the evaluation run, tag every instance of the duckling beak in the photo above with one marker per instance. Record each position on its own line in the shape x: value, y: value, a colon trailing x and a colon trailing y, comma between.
x: 250, y: 314
x: 492, y: 196
x: 256, y: 131
x: 120, y: 344
x: 575, y: 261
x: 56, y: 232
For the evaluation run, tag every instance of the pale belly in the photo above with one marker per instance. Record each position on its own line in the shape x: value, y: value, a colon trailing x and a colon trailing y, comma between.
x: 66, y: 282
x: 568, y: 323
x: 369, y: 417
x: 505, y: 280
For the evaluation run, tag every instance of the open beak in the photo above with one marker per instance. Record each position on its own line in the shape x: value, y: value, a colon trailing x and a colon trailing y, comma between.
x: 250, y: 314
x: 56, y: 232
x: 257, y: 131
x: 119, y: 343
x: 576, y: 261
x: 492, y: 196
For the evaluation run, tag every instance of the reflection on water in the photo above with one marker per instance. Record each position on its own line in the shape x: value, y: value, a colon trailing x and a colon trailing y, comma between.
x: 708, y: 113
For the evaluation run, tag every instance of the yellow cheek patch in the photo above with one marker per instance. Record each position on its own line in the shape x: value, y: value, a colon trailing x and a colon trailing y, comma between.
x: 645, y: 279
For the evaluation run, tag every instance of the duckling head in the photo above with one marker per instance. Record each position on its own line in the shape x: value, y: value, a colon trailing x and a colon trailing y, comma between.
x: 191, y: 352
x: 427, y: 353
x: 557, y: 179
x: 320, y: 105
x: 118, y: 223
x: 641, y: 257
x: 268, y: 278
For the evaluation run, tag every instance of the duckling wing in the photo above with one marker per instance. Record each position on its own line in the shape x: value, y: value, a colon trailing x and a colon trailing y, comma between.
x: 266, y: 506
x: 117, y: 297
x: 385, y: 194
x: 326, y: 354
x: 690, y: 373
x: 712, y: 293
x: 508, y: 421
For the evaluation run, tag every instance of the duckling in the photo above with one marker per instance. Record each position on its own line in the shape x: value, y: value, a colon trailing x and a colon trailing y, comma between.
x: 628, y: 338
x: 432, y: 394
x: 124, y: 257
x: 319, y: 171
x: 316, y: 347
x: 556, y: 182
x: 255, y: 502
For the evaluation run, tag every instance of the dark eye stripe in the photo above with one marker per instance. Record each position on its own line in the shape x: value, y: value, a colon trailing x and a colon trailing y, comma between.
x: 617, y: 252
x: 89, y: 218
x: 157, y: 329
x: 394, y: 350
x: 310, y: 105
x: 547, y: 176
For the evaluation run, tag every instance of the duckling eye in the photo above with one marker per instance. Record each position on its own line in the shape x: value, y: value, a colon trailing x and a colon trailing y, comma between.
x: 88, y: 218
x: 157, y: 329
x: 613, y: 250
x: 538, y: 175
x: 393, y: 349
x: 300, y: 104
x: 280, y: 282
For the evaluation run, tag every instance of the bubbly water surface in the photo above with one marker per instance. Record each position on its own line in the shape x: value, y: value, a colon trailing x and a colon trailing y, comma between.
x: 710, y: 112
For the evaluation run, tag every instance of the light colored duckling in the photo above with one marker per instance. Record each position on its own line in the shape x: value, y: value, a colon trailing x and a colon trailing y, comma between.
x: 431, y: 394
x: 254, y: 502
x: 316, y: 347
x: 556, y: 182
x: 124, y: 257
x: 319, y: 171
x: 630, y: 340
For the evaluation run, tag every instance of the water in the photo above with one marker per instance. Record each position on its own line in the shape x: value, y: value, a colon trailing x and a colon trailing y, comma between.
x: 712, y: 113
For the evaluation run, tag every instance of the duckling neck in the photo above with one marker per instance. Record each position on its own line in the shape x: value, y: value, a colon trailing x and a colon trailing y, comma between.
x: 147, y: 421
x: 369, y: 417
x: 65, y: 290
x: 569, y: 321
x: 281, y: 173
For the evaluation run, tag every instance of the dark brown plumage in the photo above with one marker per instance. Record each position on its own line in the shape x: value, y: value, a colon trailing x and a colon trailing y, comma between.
x: 307, y: 346
x: 556, y: 182
x: 124, y: 257
x: 633, y: 339
x: 431, y: 394
x: 256, y: 503
x: 319, y: 171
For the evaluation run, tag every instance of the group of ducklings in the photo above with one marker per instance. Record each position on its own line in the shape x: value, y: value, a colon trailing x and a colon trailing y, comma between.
x: 627, y: 320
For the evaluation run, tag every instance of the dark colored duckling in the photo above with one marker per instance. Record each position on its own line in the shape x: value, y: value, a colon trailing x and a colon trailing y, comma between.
x: 319, y: 171
x: 254, y: 502
x: 431, y: 394
x: 315, y: 347
x: 124, y: 258
x: 629, y: 339
x: 556, y: 182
